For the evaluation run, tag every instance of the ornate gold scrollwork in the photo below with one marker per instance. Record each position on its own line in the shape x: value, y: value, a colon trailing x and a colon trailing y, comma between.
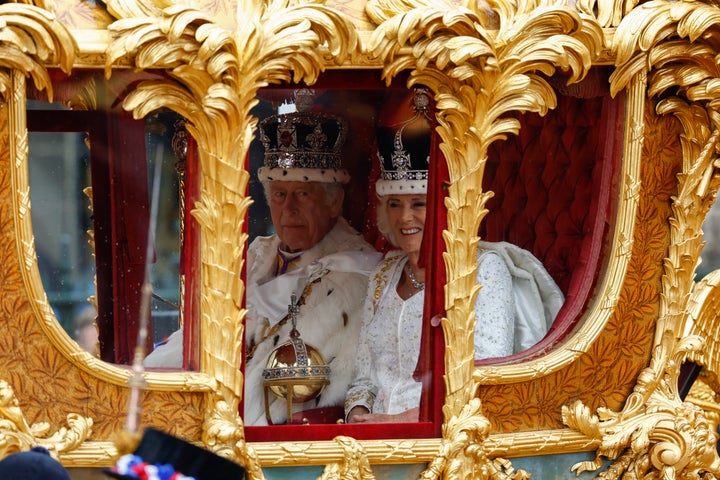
x: 223, y: 434
x: 214, y: 77
x: 482, y: 62
x: 32, y: 38
x: 355, y: 463
x: 16, y: 434
x: 656, y: 433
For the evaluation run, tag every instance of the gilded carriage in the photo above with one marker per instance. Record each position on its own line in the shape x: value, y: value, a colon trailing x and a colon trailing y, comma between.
x: 585, y: 132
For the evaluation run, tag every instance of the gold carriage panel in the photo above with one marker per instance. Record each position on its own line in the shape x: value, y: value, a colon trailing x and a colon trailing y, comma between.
x: 560, y: 129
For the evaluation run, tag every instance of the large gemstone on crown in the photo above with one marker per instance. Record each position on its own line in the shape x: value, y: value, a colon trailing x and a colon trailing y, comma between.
x: 286, y: 160
x: 297, y: 367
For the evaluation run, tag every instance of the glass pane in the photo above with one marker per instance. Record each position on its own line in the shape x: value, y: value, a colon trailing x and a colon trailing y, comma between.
x: 62, y: 181
x: 292, y: 164
x: 165, y: 269
x: 59, y: 170
x: 313, y: 322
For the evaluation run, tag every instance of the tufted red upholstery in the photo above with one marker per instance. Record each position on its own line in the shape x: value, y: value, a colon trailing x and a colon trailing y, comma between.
x: 552, y: 185
x: 542, y: 197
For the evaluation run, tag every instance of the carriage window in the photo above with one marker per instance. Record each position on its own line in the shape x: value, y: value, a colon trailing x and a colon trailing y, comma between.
x: 91, y: 206
x: 301, y: 282
x: 555, y: 223
x: 59, y: 171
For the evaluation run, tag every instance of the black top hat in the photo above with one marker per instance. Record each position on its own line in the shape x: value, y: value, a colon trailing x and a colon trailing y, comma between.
x: 166, y: 451
x: 404, y: 145
x: 303, y: 145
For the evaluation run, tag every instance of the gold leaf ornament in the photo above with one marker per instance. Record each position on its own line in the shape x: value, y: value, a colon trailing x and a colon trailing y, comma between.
x: 16, y: 434
x: 655, y: 433
x: 29, y: 38
x: 463, y: 452
x: 354, y: 465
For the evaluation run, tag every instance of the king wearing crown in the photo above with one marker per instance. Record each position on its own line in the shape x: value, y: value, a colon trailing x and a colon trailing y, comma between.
x: 315, y: 261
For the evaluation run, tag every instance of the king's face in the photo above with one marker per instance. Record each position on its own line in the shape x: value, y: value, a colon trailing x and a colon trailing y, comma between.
x: 301, y: 213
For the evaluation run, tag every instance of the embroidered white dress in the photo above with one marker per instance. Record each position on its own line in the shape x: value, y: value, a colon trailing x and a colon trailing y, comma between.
x: 389, y: 344
x: 390, y: 336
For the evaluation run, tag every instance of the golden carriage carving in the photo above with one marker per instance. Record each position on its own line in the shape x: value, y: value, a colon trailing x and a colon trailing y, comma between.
x: 483, y: 62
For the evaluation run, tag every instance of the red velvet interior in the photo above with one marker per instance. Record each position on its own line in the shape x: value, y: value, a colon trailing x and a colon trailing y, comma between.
x: 553, y: 188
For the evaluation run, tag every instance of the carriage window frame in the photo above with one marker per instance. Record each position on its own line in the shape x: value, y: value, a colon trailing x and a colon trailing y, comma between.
x: 430, y: 422
x: 113, y: 210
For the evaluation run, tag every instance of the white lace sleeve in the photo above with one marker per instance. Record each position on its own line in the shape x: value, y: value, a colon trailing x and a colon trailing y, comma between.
x: 363, y: 390
x: 494, y: 310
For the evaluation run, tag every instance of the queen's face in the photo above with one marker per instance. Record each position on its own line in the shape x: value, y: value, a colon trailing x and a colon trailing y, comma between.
x: 301, y: 213
x: 406, y: 216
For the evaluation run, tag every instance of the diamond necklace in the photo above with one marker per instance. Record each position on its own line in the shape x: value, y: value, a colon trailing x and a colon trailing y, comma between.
x: 413, y: 280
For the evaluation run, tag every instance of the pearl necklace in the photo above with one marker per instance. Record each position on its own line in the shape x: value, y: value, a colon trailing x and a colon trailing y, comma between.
x: 414, y: 281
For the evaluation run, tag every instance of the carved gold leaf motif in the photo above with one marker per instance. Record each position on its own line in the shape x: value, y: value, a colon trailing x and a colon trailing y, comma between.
x: 482, y: 60
x: 654, y: 409
x: 17, y: 434
x: 29, y: 38
x: 214, y: 76
x: 672, y: 438
x: 354, y: 465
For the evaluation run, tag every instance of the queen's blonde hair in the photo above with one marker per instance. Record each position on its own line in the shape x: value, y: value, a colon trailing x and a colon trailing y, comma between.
x: 383, y: 222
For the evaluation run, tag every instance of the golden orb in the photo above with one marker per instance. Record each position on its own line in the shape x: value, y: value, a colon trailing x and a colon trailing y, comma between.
x: 298, y: 367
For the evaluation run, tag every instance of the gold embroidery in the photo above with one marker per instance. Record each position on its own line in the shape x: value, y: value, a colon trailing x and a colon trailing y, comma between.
x: 381, y: 280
